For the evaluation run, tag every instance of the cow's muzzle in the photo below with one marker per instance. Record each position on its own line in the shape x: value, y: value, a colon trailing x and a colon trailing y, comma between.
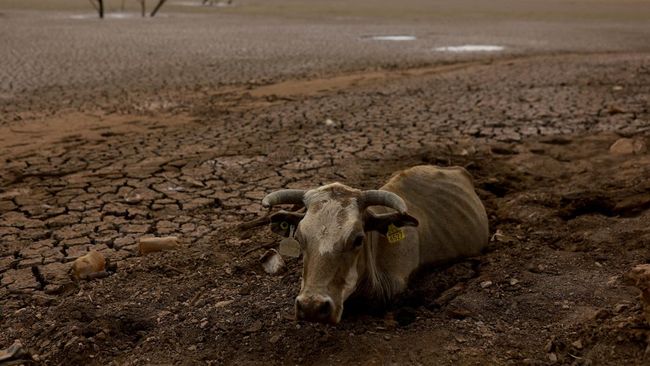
x: 315, y: 308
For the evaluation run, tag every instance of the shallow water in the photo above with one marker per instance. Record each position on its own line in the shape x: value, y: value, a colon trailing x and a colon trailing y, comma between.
x: 199, y: 3
x: 393, y: 38
x: 470, y: 48
x: 107, y: 16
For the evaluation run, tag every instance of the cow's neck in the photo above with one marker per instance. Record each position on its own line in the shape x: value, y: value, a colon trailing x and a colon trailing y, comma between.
x: 374, y: 283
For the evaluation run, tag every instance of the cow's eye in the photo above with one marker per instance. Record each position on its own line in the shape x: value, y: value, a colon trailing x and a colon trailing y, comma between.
x: 358, y: 241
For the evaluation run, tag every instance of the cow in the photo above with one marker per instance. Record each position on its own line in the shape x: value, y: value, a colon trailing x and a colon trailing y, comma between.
x: 370, y: 242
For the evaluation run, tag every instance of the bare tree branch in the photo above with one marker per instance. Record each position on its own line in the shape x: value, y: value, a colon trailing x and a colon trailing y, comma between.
x: 155, y: 10
x: 143, y: 8
x: 101, y: 9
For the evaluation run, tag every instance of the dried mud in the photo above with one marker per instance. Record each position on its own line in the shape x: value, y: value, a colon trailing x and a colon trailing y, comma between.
x: 568, y: 219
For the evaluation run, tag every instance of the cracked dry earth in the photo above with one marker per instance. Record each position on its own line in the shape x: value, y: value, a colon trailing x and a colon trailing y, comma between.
x: 568, y: 217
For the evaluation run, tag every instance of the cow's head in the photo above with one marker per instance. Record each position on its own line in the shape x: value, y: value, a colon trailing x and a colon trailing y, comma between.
x: 332, y: 234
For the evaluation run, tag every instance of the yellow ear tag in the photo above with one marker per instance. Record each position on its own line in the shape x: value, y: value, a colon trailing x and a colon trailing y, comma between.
x: 395, y: 234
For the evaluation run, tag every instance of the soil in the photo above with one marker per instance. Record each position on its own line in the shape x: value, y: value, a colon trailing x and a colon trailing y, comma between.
x: 568, y: 216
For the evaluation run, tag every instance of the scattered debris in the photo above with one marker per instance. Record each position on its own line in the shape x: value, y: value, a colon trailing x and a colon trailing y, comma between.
x: 89, y: 266
x: 157, y: 244
x: 500, y: 237
x: 14, y: 352
x: 272, y: 261
x: 641, y: 277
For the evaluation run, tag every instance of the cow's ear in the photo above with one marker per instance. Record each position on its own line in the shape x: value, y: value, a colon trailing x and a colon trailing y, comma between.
x: 282, y: 221
x: 380, y: 222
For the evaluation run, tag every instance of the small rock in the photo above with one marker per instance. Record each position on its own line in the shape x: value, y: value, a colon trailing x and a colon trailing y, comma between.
x: 627, y: 146
x: 204, y: 323
x: 619, y: 308
x: 540, y: 268
x: 514, y: 281
x: 150, y: 245
x: 550, y: 345
x: 191, y: 348
x: 275, y: 338
x: 501, y: 237
x: 221, y: 304
x: 577, y: 344
x: 601, y: 314
x: 459, y: 313
x: 272, y: 261
x: 43, y: 300
x: 133, y: 198
x: 503, y: 150
x: 617, y: 88
x: 615, y: 110
x: 552, y: 357
x: 89, y: 265
x: 486, y: 284
x: 254, y: 328
x: 329, y: 122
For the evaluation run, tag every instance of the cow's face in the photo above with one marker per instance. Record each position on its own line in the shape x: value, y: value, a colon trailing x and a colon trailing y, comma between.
x: 332, y: 234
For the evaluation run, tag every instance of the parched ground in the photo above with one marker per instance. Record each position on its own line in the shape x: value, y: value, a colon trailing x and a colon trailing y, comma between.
x: 569, y: 220
x: 99, y: 163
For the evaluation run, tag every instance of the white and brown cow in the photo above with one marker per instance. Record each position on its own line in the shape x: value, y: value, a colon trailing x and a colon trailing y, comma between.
x: 430, y: 214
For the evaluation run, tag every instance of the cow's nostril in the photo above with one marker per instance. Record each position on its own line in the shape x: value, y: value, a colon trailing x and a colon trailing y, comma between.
x: 325, y: 309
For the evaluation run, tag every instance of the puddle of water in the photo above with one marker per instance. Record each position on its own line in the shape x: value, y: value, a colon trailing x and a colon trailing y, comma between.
x: 393, y: 38
x: 471, y: 48
x: 200, y: 3
x: 106, y: 15
x: 114, y: 16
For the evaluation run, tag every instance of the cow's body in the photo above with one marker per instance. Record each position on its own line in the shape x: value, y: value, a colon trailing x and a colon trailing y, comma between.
x: 343, y: 234
x: 452, y: 224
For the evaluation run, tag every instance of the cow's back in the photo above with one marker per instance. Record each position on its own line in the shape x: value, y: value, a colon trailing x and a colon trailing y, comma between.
x: 453, y: 222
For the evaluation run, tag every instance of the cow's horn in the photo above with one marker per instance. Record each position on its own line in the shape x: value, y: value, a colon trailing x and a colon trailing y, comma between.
x: 383, y: 198
x: 288, y: 196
